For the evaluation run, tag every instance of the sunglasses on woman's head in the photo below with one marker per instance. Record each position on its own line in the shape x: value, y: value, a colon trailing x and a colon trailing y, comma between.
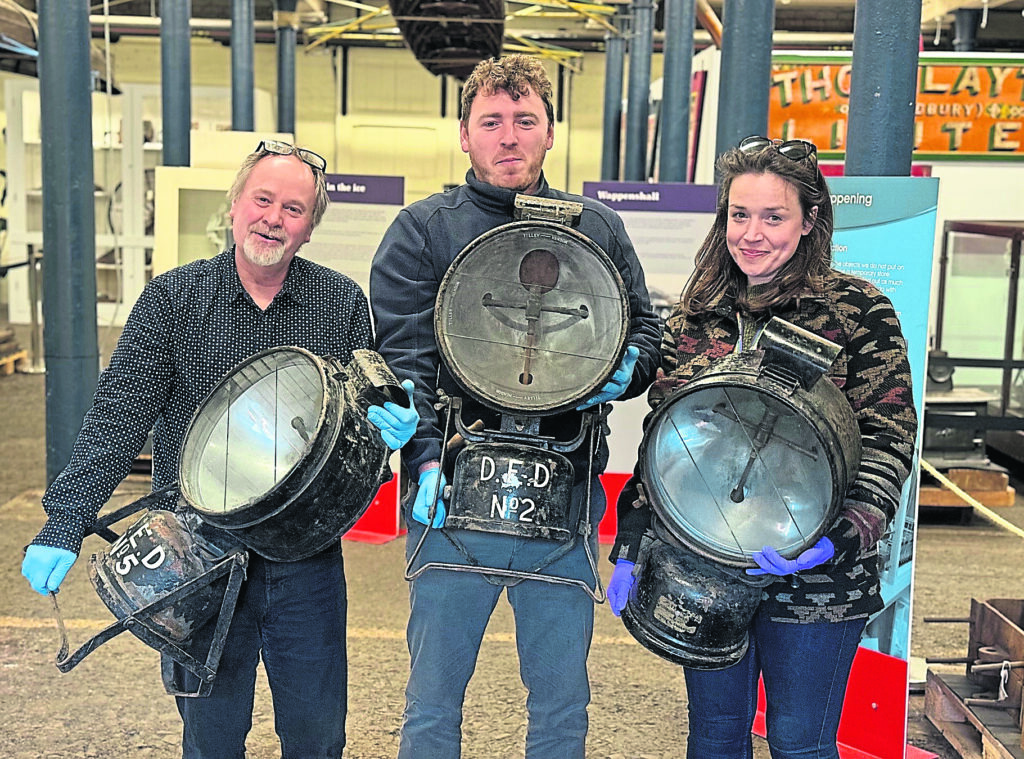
x: 795, y: 150
x: 308, y: 157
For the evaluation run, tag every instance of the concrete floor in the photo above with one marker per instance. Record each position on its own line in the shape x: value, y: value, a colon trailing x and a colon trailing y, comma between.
x: 113, y: 705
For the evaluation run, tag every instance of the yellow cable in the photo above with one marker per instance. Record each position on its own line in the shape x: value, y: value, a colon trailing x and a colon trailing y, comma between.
x: 985, y: 511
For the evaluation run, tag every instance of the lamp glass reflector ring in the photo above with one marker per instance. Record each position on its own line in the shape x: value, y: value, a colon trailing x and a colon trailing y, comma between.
x: 532, y: 318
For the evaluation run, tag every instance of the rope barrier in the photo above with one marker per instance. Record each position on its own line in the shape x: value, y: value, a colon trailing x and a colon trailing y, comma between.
x: 984, y: 510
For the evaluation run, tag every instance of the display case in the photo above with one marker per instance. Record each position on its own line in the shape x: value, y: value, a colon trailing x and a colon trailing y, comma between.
x: 125, y: 154
x: 978, y: 345
x: 127, y: 149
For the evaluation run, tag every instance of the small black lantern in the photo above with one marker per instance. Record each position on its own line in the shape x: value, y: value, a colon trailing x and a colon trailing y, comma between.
x: 531, y: 320
x: 757, y: 450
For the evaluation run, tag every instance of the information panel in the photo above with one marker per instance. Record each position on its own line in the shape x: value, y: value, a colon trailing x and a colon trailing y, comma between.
x: 884, y: 233
x: 666, y: 223
x: 362, y: 207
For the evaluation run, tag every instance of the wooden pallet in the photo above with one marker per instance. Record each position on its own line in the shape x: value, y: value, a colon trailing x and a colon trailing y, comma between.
x: 976, y: 732
x: 989, y: 488
x: 10, y: 363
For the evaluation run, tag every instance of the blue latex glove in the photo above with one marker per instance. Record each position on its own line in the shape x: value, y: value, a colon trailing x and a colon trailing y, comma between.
x: 396, y: 424
x: 769, y: 562
x: 45, y: 567
x: 619, y: 586
x: 421, y: 507
x: 617, y: 385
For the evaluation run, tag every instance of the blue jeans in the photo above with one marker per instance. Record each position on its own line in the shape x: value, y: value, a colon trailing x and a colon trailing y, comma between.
x: 293, y: 614
x: 449, y: 613
x: 805, y: 670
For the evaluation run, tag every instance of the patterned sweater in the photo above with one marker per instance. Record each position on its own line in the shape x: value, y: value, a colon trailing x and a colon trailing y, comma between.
x: 873, y: 372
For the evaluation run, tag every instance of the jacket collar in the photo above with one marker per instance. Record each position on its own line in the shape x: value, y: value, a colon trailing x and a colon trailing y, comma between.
x: 498, y: 199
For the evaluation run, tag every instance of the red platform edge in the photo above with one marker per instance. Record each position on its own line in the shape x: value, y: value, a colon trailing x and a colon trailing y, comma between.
x: 874, y: 721
x: 612, y: 482
x: 381, y: 522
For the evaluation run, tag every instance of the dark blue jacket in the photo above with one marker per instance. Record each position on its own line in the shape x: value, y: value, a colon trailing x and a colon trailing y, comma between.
x: 408, y: 268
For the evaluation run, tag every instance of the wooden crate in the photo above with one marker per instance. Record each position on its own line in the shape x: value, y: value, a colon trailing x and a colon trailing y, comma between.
x: 989, y: 488
x: 12, y: 361
x: 976, y: 732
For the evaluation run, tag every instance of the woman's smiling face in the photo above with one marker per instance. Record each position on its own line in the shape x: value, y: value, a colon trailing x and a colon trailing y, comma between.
x: 765, y: 224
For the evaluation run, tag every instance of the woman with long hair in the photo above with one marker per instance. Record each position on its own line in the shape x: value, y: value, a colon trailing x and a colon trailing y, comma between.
x: 768, y: 254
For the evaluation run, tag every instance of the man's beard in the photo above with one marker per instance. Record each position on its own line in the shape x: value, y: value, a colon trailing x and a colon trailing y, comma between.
x: 263, y: 254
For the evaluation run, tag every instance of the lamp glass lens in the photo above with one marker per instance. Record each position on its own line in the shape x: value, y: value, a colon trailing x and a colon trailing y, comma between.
x: 251, y: 431
x: 733, y: 469
x: 531, y: 319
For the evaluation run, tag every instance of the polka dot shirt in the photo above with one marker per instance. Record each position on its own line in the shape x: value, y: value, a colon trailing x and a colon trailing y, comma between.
x: 188, y: 329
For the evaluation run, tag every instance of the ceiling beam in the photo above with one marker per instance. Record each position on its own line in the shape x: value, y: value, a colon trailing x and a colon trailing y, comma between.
x: 153, y: 22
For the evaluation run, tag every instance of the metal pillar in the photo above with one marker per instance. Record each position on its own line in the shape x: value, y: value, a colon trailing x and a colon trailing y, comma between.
x: 176, y: 80
x: 243, y: 40
x: 69, y: 227
x: 966, y: 22
x: 641, y: 42
x: 747, y: 27
x: 883, y: 87
x: 614, y: 68
x: 680, y: 19
x: 286, y: 22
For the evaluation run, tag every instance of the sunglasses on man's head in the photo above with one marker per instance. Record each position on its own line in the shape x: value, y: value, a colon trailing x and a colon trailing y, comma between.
x: 795, y: 150
x: 311, y: 159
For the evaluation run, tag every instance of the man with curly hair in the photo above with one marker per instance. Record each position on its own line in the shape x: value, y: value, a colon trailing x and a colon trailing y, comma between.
x: 507, y: 127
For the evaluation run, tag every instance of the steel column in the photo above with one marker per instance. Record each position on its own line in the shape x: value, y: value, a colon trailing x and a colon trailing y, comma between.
x: 747, y: 28
x: 883, y: 88
x: 680, y: 19
x: 614, y: 68
x: 966, y: 22
x: 286, y: 22
x: 69, y: 225
x: 641, y: 42
x: 243, y: 40
x: 176, y: 80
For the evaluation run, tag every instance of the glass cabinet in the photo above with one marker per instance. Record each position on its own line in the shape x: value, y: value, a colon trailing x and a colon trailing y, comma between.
x: 980, y: 326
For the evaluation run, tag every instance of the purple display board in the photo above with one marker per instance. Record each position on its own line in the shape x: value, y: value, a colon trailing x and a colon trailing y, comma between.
x: 667, y: 223
x: 364, y: 188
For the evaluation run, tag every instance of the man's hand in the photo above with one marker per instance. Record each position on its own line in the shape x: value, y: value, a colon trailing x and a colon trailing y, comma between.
x: 619, y: 381
x: 45, y: 567
x: 619, y: 586
x: 396, y: 424
x: 769, y: 562
x: 431, y: 481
